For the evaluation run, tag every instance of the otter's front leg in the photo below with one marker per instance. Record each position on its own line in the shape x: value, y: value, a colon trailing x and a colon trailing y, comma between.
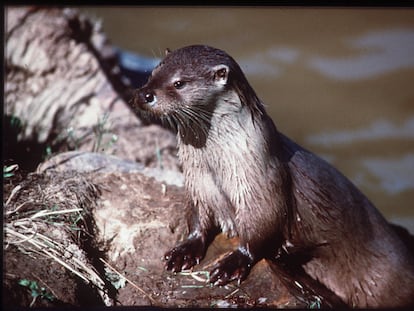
x: 235, y: 266
x: 258, y: 241
x: 186, y: 254
x: 191, y: 251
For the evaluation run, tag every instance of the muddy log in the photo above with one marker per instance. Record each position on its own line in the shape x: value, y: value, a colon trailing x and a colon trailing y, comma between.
x: 64, y: 85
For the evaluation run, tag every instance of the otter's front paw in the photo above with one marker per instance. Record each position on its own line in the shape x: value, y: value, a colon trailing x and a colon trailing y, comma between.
x: 235, y: 266
x: 185, y: 255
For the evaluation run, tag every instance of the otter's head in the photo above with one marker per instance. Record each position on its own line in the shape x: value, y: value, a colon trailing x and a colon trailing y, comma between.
x: 185, y: 89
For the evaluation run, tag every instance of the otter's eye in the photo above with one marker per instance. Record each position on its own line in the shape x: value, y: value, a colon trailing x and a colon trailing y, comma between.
x: 179, y: 84
x: 149, y: 98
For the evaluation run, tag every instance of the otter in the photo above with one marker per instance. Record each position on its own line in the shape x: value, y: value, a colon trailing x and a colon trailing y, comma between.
x: 243, y: 177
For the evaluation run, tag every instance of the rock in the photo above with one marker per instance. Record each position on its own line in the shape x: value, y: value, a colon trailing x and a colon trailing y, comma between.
x: 64, y: 86
x: 82, y: 161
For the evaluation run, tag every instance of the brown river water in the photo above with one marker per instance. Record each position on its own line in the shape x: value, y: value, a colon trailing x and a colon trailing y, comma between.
x: 339, y: 81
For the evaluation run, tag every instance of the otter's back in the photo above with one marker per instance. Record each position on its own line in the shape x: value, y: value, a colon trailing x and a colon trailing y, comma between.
x: 360, y: 249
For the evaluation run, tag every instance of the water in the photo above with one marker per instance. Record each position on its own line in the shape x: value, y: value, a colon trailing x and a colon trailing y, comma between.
x: 340, y: 82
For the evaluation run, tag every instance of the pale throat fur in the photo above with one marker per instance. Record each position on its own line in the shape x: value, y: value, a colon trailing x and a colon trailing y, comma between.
x: 227, y: 165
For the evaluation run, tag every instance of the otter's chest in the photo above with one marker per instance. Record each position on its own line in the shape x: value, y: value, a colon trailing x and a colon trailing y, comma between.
x: 222, y: 176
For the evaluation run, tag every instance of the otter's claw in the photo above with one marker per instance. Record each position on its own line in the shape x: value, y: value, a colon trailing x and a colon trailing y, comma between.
x: 235, y: 266
x: 185, y: 255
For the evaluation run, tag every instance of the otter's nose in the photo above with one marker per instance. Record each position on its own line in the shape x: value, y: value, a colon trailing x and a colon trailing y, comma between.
x: 145, y: 97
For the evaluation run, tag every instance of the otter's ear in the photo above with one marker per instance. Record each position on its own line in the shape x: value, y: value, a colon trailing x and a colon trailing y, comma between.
x: 167, y: 51
x: 221, y: 74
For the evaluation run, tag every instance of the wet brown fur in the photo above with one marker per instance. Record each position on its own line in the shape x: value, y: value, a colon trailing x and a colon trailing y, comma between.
x: 245, y: 178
